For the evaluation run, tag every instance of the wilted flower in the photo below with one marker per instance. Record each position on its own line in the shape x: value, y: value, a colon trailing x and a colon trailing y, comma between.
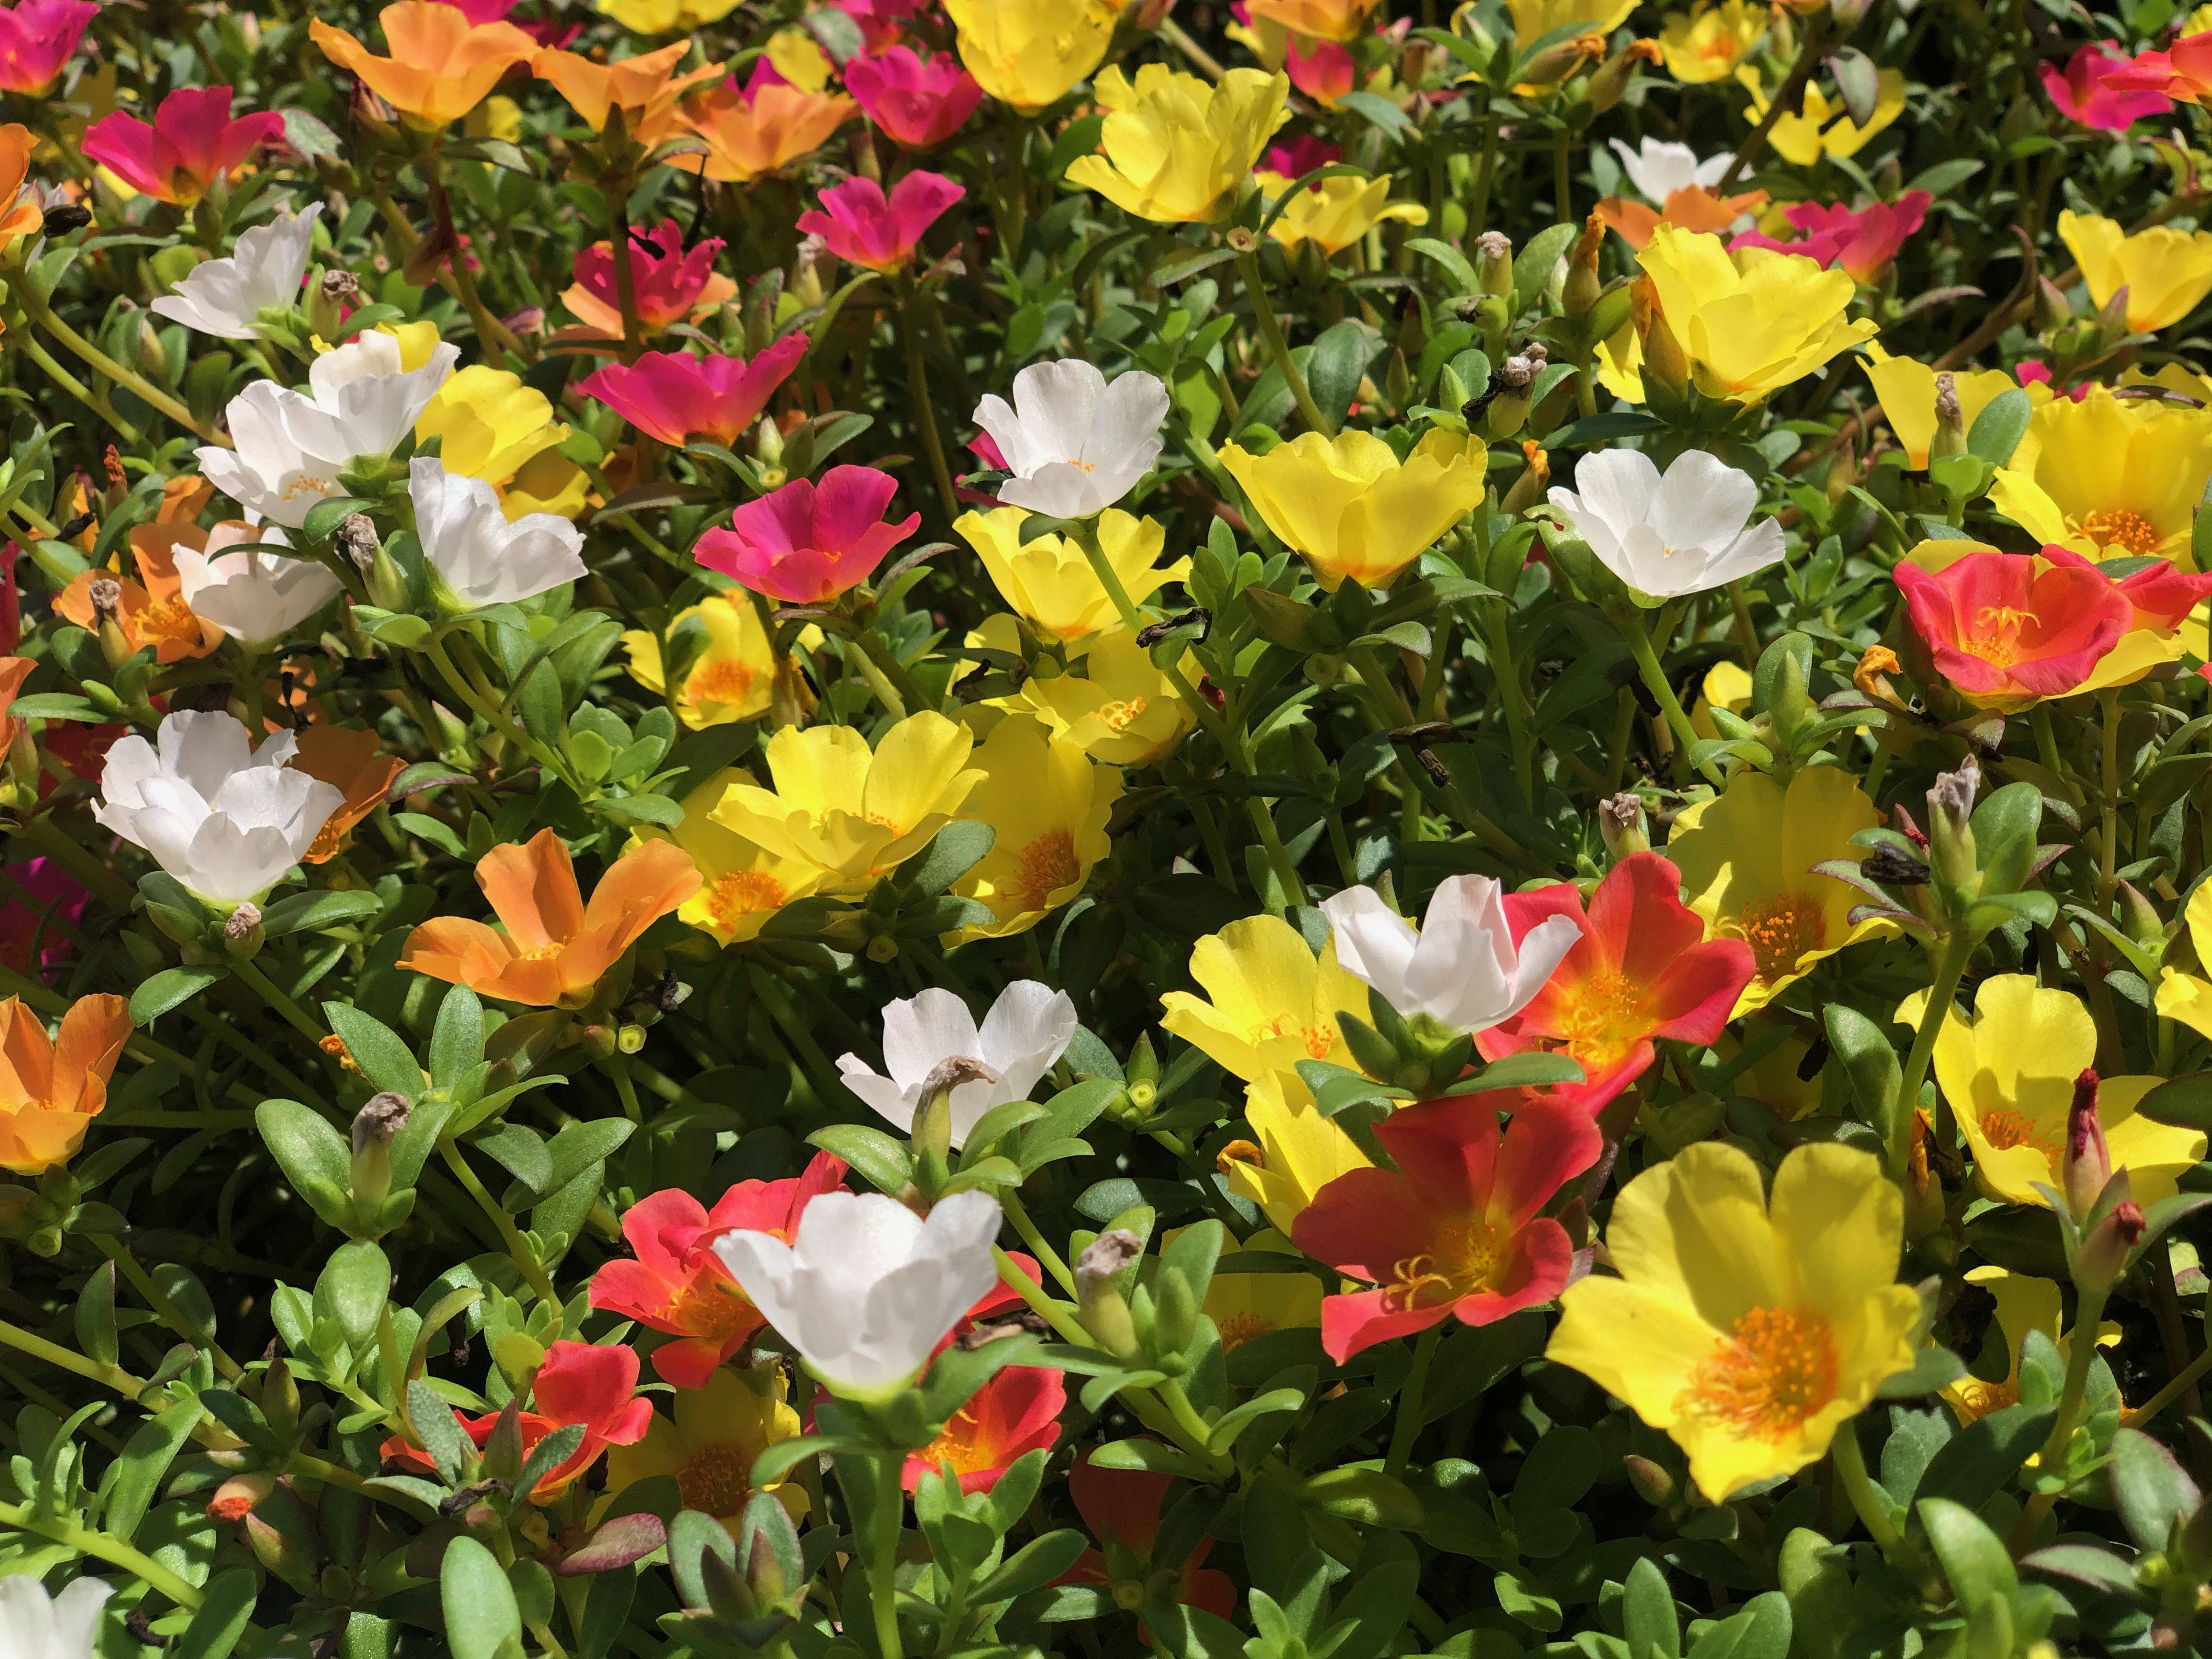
x: 226, y: 297
x: 1682, y: 532
x: 1074, y: 444
x: 806, y: 544
x: 1023, y: 1037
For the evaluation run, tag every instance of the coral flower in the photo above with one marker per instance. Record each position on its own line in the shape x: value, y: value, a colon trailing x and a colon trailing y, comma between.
x: 862, y: 226
x: 1644, y: 971
x: 1269, y: 1002
x: 718, y: 1434
x: 805, y: 543
x: 578, y: 1383
x: 192, y: 144
x: 672, y: 398
x: 1749, y: 1333
x: 1861, y: 241
x: 644, y: 89
x: 2008, y: 630
x: 2010, y: 1075
x: 2090, y: 89
x: 22, y: 210
x: 677, y: 1285
x: 2108, y: 477
x: 1015, y: 1413
x: 2182, y: 72
x: 353, y: 763
x: 1320, y: 19
x: 1324, y: 72
x: 51, y: 1091
x: 441, y: 64
x: 36, y: 39
x: 1454, y: 1230
x: 1174, y: 148
x: 921, y: 102
x: 554, y: 948
x: 757, y: 131
x: 2167, y: 272
x: 667, y: 284
x: 1122, y: 1508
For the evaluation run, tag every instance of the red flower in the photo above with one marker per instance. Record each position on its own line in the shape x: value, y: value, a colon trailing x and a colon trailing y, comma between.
x: 578, y: 1383
x: 1321, y: 70
x: 1863, y: 242
x: 2086, y: 91
x: 2161, y: 594
x: 2182, y: 72
x: 667, y: 284
x: 920, y: 102
x: 1455, y: 1229
x: 2008, y: 632
x: 1298, y: 154
x: 1122, y: 1507
x: 672, y: 397
x: 679, y: 1285
x: 807, y: 542
x: 1644, y: 971
x: 192, y: 144
x: 1015, y: 1414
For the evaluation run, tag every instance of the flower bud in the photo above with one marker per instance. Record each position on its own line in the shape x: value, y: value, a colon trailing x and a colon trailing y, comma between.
x: 1950, y: 830
x: 373, y: 1126
x: 1580, y: 291
x: 107, y: 596
x: 1950, y: 437
x: 1527, y: 489
x: 1665, y: 365
x: 2053, y: 310
x: 2087, y: 1164
x: 327, y: 302
x: 1621, y: 822
x: 1493, y: 253
x: 933, y: 1118
x: 235, y: 1498
x: 1653, y: 1484
x: 241, y: 931
x: 1104, y: 1312
x: 2105, y: 1248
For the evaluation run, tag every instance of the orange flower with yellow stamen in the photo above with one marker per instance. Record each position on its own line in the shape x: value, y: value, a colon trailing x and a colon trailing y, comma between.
x: 644, y: 89
x: 441, y: 64
x: 151, y: 610
x: 21, y: 213
x: 50, y: 1092
x: 353, y: 763
x: 554, y: 949
x: 748, y: 134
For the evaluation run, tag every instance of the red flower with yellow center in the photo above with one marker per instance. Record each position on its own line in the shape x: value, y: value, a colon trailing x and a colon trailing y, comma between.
x: 1015, y: 1413
x: 578, y: 1383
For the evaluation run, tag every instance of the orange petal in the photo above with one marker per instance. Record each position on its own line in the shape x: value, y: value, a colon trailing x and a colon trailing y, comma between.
x: 26, y: 1056
x: 93, y: 1034
x: 458, y: 951
x: 533, y: 890
x: 642, y: 885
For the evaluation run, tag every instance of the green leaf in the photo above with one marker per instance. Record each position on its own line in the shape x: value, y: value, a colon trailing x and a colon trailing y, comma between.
x: 1035, y: 1566
x: 1974, y: 1558
x: 656, y: 810
x: 1335, y: 368
x: 1650, y: 1623
x: 137, y: 1474
x: 1982, y: 1458
x: 955, y: 850
x: 1385, y: 116
x: 883, y: 1164
x: 457, y: 1042
x: 1454, y: 262
x: 1529, y: 1070
x: 2185, y: 1102
x: 316, y: 1156
x: 439, y: 1429
x: 168, y: 989
x: 384, y: 1058
x: 1532, y: 266
x: 1999, y: 427
x: 356, y: 1281
x: 482, y: 1618
x: 222, y: 1616
x: 549, y: 1454
x: 311, y: 913
x: 323, y: 517
x: 1761, y: 1631
x: 2150, y: 1490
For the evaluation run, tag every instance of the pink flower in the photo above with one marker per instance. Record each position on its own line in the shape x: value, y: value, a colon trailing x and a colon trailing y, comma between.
x: 673, y: 397
x: 1322, y: 71
x: 865, y: 228
x: 985, y: 448
x: 669, y: 284
x: 2030, y: 372
x: 1299, y: 154
x: 919, y: 101
x: 1863, y: 242
x: 41, y: 914
x: 36, y: 39
x: 193, y: 144
x: 2086, y: 91
x: 805, y: 544
x: 880, y: 22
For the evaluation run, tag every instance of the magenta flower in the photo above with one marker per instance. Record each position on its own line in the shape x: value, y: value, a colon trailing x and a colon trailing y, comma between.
x: 674, y: 397
x: 880, y: 20
x: 919, y: 101
x: 806, y: 544
x: 192, y: 145
x: 863, y: 227
x: 668, y: 284
x: 36, y: 39
x: 2085, y: 91
x: 1863, y: 242
x: 1299, y: 154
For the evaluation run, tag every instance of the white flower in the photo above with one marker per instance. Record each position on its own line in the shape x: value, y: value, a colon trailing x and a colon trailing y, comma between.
x: 1023, y: 1035
x: 34, y: 1625
x: 226, y: 820
x: 224, y: 297
x: 868, y: 1288
x: 1074, y: 444
x: 1462, y: 969
x: 269, y: 472
x: 1660, y: 168
x: 477, y: 554
x: 1683, y: 533
x: 252, y: 595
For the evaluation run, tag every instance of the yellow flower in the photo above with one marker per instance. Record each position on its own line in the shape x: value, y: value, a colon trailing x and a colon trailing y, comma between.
x: 1535, y: 19
x: 1726, y: 686
x: 1049, y: 582
x: 2009, y: 1078
x: 1747, y: 329
x: 1028, y: 54
x: 1336, y: 212
x: 742, y: 884
x: 2186, y: 997
x: 1299, y: 1152
x: 1906, y: 387
x: 1749, y: 1333
x: 1821, y: 128
x: 1707, y: 44
x: 2108, y: 478
x: 417, y: 342
x: 549, y: 481
x: 1244, y: 1305
x: 490, y: 425
x: 1120, y: 709
x: 2025, y: 1304
x: 733, y: 675
x: 719, y: 1431
x: 1049, y: 803
x: 1175, y: 147
x: 1776, y: 1079
x: 798, y: 59
x: 665, y: 16
x: 1747, y: 858
x: 2198, y: 21
x: 495, y: 118
x: 851, y: 814
x: 2165, y: 271
x: 1269, y: 1003
x: 1352, y: 508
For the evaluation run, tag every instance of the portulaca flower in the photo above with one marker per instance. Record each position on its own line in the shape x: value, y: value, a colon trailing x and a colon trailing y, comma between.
x: 255, y: 596
x: 1074, y: 444
x: 479, y: 557
x: 1462, y: 969
x: 1027, y: 1031
x: 226, y: 819
x: 225, y: 297
x: 1681, y: 533
x: 868, y: 1288
x: 1659, y: 168
x: 34, y: 1626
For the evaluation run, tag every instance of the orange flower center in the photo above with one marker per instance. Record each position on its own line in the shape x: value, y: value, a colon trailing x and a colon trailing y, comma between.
x: 961, y: 1444
x: 1043, y: 867
x: 726, y: 680
x: 1467, y: 1259
x: 1121, y: 716
x: 740, y: 894
x: 1973, y: 1398
x: 1602, y: 1016
x: 1996, y: 638
x: 1319, y: 1040
x: 2124, y: 528
x: 1241, y: 1327
x: 709, y: 1308
x: 1771, y: 1375
x: 168, y: 619
x: 712, y: 1479
x: 2007, y: 1128
x: 1780, y: 930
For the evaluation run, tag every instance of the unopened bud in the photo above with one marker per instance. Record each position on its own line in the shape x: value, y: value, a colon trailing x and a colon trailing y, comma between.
x: 1950, y: 831
x: 2087, y: 1164
x: 1653, y: 1484
x: 1580, y: 291
x: 933, y: 1117
x: 153, y: 355
x: 1621, y: 822
x: 1105, y: 1313
x: 1528, y: 488
x: 2053, y: 310
x: 1950, y: 437
x: 1493, y: 253
x: 234, y: 1498
x: 241, y: 929
x: 1665, y: 364
x: 2105, y: 1249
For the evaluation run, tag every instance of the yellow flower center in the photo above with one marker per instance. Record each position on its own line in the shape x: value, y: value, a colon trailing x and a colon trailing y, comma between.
x: 1043, y: 867
x: 2124, y: 528
x: 1768, y: 1377
x: 1780, y: 930
x: 543, y: 953
x: 1973, y: 1398
x: 709, y: 1307
x: 2007, y: 1128
x: 1468, y: 1256
x: 726, y: 680
x: 1602, y: 1018
x: 307, y: 485
x: 1319, y: 1040
x: 712, y: 1479
x: 960, y: 1444
x: 1996, y: 634
x: 169, y: 619
x: 1241, y: 1327
x: 743, y: 893
x: 1121, y: 716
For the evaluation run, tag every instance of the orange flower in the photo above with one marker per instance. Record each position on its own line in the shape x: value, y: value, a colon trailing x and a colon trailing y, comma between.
x: 49, y: 1096
x: 1324, y: 20
x: 441, y: 64
x: 639, y: 86
x: 14, y: 670
x: 152, y: 610
x: 748, y: 136
x: 554, y: 948
x: 20, y: 212
x: 183, y: 498
x: 351, y: 762
x: 1692, y: 208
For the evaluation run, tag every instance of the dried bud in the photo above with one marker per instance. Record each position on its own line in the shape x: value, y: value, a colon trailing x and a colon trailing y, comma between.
x: 1950, y: 437
x: 2105, y: 1249
x: 1621, y: 822
x: 1876, y: 664
x: 1892, y: 869
x: 340, y: 285
x: 673, y: 995
x: 356, y: 539
x: 1517, y: 371
x: 106, y: 594
x: 383, y: 1117
x: 1493, y: 253
x: 1536, y: 353
x: 241, y: 931
x: 932, y: 1116
x: 2087, y: 1164
x: 1950, y: 814
x: 1105, y: 1313
x: 1239, y: 1152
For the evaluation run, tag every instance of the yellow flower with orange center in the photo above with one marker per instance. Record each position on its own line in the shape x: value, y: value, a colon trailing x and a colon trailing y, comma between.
x: 1049, y: 802
x: 2025, y: 1304
x: 1296, y: 1153
x: 741, y: 883
x: 2167, y: 272
x: 2108, y: 477
x: 1704, y: 46
x: 718, y: 1433
x: 1270, y: 1002
x: 1749, y: 1333
x: 1114, y: 703
x: 732, y: 677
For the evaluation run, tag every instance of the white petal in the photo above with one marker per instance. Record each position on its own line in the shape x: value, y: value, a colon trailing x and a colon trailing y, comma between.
x: 1761, y: 545
x: 1054, y: 401
x: 1374, y: 944
x: 1702, y: 502
x: 1616, y: 486
x: 922, y: 1032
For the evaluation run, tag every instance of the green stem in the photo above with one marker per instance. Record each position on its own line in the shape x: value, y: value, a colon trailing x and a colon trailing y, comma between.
x: 79, y: 861
x: 103, y: 1546
x: 1248, y: 269
x: 2165, y: 1396
x: 1407, y: 1426
x: 1850, y: 1465
x: 1018, y: 1214
x: 486, y: 707
x: 91, y: 400
x: 267, y: 991
x: 518, y: 1248
x: 2108, y: 852
x: 633, y: 336
x: 94, y: 358
x: 2090, y: 1309
x: 1630, y: 621
x: 883, y: 1561
x: 67, y: 1359
x: 1498, y: 631
x: 158, y: 1300
x: 1951, y: 967
x: 924, y: 415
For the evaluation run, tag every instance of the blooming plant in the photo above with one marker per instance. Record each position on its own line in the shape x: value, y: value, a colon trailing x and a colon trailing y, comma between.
x: 1105, y: 830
